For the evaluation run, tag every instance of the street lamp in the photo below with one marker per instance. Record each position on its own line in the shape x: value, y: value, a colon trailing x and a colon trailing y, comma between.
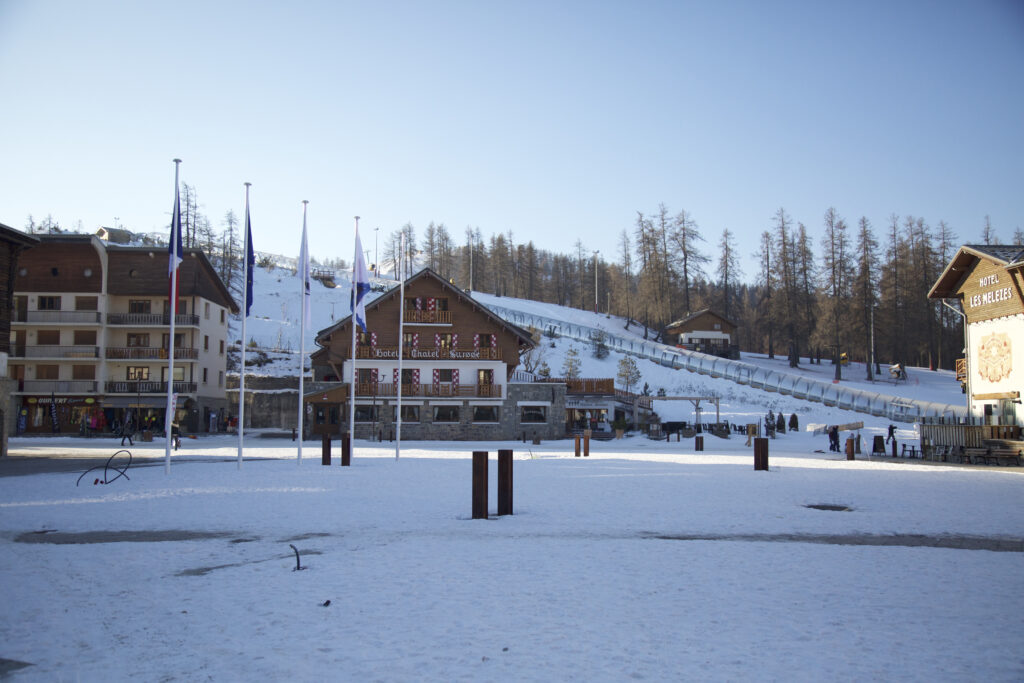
x: 376, y: 240
x: 596, y: 252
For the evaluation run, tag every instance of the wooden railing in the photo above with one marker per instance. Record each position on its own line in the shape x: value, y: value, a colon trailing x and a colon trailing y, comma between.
x: 428, y: 390
x: 968, y: 436
x: 427, y: 353
x: 149, y: 353
x: 578, y: 385
x: 412, y: 316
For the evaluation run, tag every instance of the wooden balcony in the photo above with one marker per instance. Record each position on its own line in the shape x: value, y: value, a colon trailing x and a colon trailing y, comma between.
x: 56, y: 352
x: 147, y: 387
x: 427, y: 353
x: 428, y: 390
x: 152, y: 319
x: 414, y: 317
x: 149, y: 353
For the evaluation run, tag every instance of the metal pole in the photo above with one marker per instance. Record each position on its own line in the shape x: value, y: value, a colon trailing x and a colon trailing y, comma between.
x: 596, y: 252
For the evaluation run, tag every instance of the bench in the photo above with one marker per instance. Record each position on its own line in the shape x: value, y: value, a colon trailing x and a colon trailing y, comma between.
x: 913, y: 451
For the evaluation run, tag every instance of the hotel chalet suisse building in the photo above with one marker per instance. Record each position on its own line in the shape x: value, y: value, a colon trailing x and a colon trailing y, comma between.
x: 988, y: 280
x: 90, y: 336
x: 457, y: 362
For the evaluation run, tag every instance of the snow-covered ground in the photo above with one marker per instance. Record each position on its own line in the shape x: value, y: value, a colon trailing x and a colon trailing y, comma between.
x: 644, y: 561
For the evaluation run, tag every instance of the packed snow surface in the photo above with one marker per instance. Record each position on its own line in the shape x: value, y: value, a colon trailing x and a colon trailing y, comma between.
x: 645, y: 560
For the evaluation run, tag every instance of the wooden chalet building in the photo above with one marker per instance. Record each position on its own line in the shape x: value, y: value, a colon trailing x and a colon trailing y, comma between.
x: 90, y: 337
x: 988, y: 283
x: 457, y: 363
x: 707, y: 332
x: 12, y: 244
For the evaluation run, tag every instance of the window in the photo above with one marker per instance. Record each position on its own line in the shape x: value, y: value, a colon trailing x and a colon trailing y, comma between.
x: 485, y: 377
x: 362, y: 338
x: 718, y: 326
x: 206, y: 310
x: 320, y: 414
x: 48, y: 337
x: 138, y: 373
x: 47, y: 372
x: 364, y: 375
x: 335, y: 414
x: 534, y: 414
x: 486, y: 341
x: 441, y: 303
x: 222, y: 347
x: 220, y: 378
x: 366, y: 413
x: 179, y: 340
x: 86, y: 303
x: 205, y: 371
x: 83, y: 372
x: 135, y: 339
x: 410, y: 413
x: 407, y: 376
x: 179, y: 374
x: 182, y: 306
x: 446, y: 413
x: 222, y: 316
x: 444, y: 375
x: 49, y: 303
x: 140, y: 306
x: 206, y: 342
x: 445, y: 340
x: 407, y: 339
x: 85, y: 337
x: 485, y: 413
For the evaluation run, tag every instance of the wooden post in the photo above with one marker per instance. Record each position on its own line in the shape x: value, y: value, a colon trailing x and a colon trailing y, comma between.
x: 761, y: 453
x: 894, y: 448
x: 479, y: 484
x: 849, y: 448
x: 346, y: 450
x: 325, y: 453
x: 505, y: 481
x: 577, y: 445
x: 586, y: 443
x: 698, y: 443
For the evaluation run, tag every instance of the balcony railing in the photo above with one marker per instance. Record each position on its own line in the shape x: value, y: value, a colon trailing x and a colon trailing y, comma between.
x: 142, y: 319
x: 414, y: 317
x: 149, y: 353
x: 389, y: 390
x: 961, y: 369
x: 53, y: 351
x: 52, y: 317
x: 57, y: 386
x: 428, y: 353
x: 147, y: 387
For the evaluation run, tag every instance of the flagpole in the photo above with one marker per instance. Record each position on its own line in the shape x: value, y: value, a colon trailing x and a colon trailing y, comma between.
x: 352, y: 382
x: 175, y: 239
x: 401, y: 352
x: 304, y: 285
x: 245, y: 314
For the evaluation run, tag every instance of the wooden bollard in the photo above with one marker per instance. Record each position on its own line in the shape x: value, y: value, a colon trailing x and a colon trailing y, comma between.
x: 325, y: 452
x: 761, y: 453
x: 577, y: 445
x: 698, y: 443
x: 894, y: 448
x: 346, y: 450
x: 505, y: 482
x: 849, y: 448
x: 479, y: 484
x: 586, y: 444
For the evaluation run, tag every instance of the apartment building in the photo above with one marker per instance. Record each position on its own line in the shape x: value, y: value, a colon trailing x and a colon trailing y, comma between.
x: 457, y: 362
x: 90, y: 337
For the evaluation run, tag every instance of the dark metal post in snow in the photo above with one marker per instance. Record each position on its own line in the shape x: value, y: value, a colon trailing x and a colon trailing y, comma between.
x: 479, y: 484
x: 761, y: 453
x: 325, y: 454
x: 505, y: 482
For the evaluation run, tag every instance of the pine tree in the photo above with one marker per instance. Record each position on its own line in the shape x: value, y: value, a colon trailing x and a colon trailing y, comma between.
x: 571, y: 364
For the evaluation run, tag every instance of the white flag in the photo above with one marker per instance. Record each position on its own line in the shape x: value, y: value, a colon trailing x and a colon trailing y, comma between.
x: 302, y: 272
x: 361, y: 284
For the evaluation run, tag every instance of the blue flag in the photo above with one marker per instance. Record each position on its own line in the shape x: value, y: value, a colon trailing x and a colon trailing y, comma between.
x: 361, y: 285
x: 250, y: 261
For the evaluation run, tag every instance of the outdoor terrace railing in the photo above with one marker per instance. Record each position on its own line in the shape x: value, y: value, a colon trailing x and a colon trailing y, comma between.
x: 54, y: 351
x: 143, y: 319
x: 415, y: 317
x: 58, y: 386
x: 149, y: 353
x: 52, y: 317
x: 147, y: 387
x: 428, y: 353
x: 428, y: 390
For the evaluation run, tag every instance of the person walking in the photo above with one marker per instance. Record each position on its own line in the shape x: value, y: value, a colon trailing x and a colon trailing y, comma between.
x: 126, y: 433
x: 892, y: 434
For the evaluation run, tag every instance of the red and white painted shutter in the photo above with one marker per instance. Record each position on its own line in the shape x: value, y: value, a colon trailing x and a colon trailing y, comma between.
x: 419, y: 304
x: 476, y: 342
x: 431, y: 303
x: 415, y: 340
x: 455, y: 341
x: 455, y: 381
x: 373, y: 339
x: 415, y: 379
x: 437, y: 340
x: 437, y: 381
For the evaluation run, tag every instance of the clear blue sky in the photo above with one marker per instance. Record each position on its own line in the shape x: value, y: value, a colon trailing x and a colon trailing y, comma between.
x: 555, y: 120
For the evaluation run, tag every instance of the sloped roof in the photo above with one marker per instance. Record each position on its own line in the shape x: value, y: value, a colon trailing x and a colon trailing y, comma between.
x: 948, y: 284
x: 697, y: 314
x: 427, y: 272
x: 9, y: 234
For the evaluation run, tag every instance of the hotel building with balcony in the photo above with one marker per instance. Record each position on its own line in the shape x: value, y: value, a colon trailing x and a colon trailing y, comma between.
x: 90, y: 336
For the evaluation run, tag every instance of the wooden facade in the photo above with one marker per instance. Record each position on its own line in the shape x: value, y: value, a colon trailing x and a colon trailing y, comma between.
x: 12, y: 245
